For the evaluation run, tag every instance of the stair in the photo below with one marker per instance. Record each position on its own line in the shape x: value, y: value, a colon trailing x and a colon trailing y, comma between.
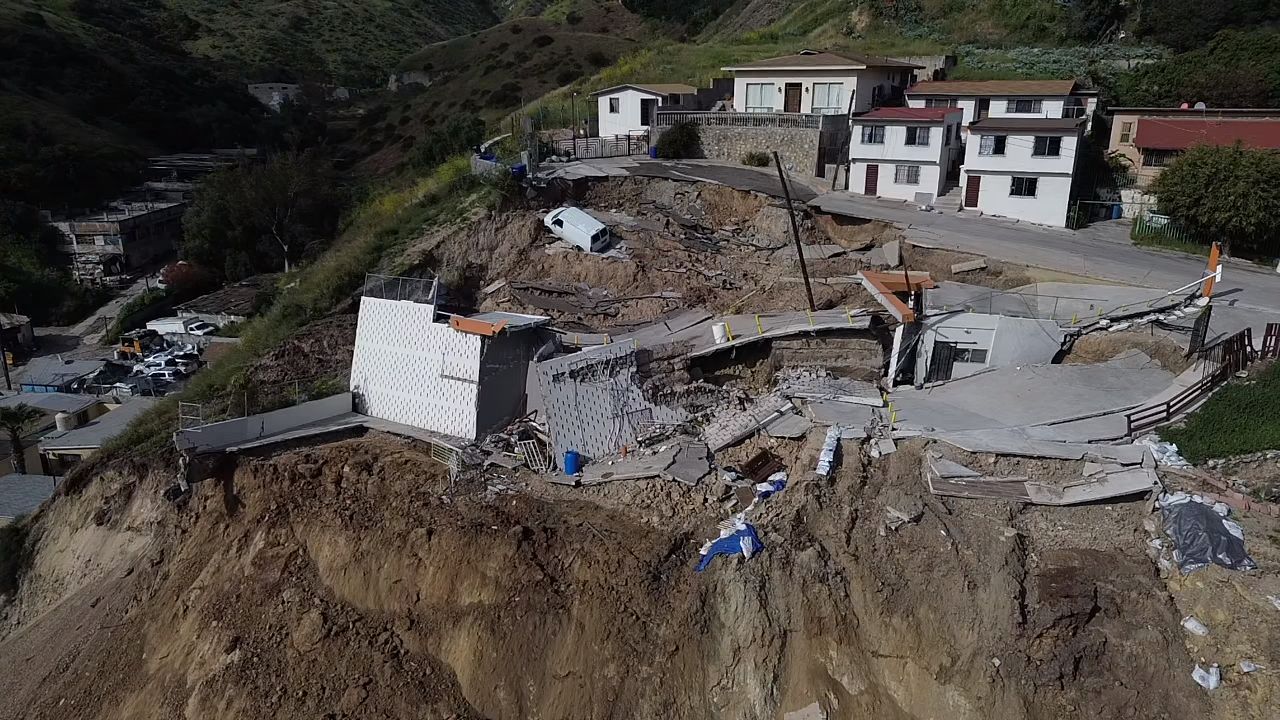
x: 949, y: 200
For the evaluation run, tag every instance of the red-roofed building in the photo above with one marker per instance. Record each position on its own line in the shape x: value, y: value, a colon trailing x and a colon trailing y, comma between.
x: 1152, y: 137
x: 902, y: 152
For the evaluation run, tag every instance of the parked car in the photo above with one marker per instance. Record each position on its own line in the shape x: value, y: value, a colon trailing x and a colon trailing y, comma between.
x: 578, y: 228
x: 167, y: 375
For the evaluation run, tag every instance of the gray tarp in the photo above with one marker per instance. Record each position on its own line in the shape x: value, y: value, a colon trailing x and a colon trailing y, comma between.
x: 1202, y: 536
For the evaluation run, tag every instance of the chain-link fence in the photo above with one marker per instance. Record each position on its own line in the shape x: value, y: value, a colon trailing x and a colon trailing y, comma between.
x: 391, y: 287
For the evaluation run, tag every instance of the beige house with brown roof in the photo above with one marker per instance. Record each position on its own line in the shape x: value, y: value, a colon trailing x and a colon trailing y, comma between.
x: 820, y: 83
x: 629, y: 109
x: 1054, y: 99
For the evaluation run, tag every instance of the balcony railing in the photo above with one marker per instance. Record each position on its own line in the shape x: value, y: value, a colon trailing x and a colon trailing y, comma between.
x: 741, y: 119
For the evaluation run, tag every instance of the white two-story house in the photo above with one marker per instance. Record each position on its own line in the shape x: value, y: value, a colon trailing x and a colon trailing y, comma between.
x: 1022, y: 167
x: 904, y: 152
x: 821, y: 83
x: 629, y: 109
x: 979, y: 100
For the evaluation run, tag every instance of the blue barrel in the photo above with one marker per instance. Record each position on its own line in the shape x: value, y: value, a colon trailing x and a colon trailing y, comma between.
x: 1117, y: 211
x: 572, y: 462
x: 653, y: 152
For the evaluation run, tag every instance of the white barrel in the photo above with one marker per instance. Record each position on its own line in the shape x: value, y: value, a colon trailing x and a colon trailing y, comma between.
x: 720, y: 332
x: 64, y: 421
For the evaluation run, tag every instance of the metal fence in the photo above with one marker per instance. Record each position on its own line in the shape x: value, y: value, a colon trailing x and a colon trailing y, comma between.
x: 806, y: 121
x: 1154, y: 229
x: 392, y: 287
x: 1218, y: 362
x: 604, y: 147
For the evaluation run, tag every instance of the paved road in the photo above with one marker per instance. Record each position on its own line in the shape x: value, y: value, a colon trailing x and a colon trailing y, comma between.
x: 1101, y: 251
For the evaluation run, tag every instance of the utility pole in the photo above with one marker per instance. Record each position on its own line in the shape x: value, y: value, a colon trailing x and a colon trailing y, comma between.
x: 795, y: 232
x: 4, y: 362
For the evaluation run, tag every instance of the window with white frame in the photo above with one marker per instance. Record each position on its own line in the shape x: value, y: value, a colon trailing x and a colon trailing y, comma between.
x: 918, y: 135
x: 906, y: 174
x: 827, y: 98
x: 1047, y: 146
x: 1126, y: 132
x: 760, y: 97
x: 1023, y: 187
x: 615, y: 106
x: 1024, y: 107
x: 992, y: 145
x: 940, y: 102
x: 872, y: 134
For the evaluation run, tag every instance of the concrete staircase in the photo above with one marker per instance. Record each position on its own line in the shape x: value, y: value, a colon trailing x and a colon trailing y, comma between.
x: 949, y: 200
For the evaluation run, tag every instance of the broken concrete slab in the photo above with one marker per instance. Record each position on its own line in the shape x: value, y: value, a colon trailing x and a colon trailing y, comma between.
x: 970, y: 266
x: 848, y: 415
x: 822, y: 252
x: 692, y: 463
x: 809, y: 385
x: 789, y: 426
x: 888, y: 255
x: 1018, y: 443
x: 1099, y: 487
x: 965, y: 483
x: 733, y: 425
x: 634, y: 467
x: 945, y: 468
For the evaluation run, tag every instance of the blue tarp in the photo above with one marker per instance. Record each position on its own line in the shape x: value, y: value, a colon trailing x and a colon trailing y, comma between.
x: 776, y: 483
x: 743, y: 541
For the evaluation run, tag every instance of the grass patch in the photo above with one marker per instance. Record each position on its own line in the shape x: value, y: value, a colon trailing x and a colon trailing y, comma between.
x: 1162, y: 242
x: 1241, y: 418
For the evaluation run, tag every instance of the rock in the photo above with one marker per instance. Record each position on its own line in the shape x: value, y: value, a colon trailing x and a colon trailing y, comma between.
x: 309, y: 631
x: 352, y: 699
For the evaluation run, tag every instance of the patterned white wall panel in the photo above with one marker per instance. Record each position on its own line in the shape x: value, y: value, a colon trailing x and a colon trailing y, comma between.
x: 410, y: 370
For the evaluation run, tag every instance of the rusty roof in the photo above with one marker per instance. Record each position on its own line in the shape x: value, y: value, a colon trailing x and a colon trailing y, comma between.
x: 1182, y: 133
x: 811, y: 60
x: 909, y: 114
x: 993, y: 87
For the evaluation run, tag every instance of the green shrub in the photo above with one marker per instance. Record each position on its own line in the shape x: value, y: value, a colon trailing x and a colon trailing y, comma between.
x: 756, y: 158
x: 680, y: 141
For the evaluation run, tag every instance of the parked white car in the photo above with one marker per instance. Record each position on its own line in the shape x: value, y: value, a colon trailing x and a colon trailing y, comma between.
x: 578, y: 228
x: 167, y: 375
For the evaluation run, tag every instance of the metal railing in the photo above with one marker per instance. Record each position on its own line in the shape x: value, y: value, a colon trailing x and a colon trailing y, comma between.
x: 1222, y: 360
x: 605, y: 146
x: 392, y: 287
x: 806, y: 121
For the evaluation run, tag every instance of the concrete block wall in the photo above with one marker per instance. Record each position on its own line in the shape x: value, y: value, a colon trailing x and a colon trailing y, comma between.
x: 798, y: 147
x: 594, y: 403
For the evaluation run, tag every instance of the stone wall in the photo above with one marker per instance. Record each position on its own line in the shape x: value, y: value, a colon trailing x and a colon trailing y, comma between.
x: 798, y: 147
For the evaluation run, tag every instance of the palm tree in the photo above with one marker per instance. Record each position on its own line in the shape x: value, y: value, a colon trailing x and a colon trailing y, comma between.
x: 16, y: 421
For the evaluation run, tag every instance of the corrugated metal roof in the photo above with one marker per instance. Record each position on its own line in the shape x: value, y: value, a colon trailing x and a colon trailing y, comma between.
x: 906, y: 113
x: 97, y: 432
x: 993, y: 87
x: 50, y: 402
x: 12, y: 320
x: 814, y: 60
x: 242, y: 298
x: 54, y: 372
x: 22, y: 494
x: 1182, y: 133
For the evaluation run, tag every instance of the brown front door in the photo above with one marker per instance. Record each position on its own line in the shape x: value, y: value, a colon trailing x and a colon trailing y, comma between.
x: 791, y: 99
x: 971, y: 191
x: 873, y: 179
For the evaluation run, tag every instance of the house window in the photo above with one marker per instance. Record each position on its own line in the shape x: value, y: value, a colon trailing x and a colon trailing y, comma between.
x: 1023, y: 107
x: 826, y: 98
x: 918, y: 135
x: 675, y: 99
x: 1159, y: 158
x: 1050, y: 146
x: 760, y: 97
x: 1126, y: 132
x: 615, y: 106
x: 872, y: 134
x: 1023, y: 187
x: 940, y: 102
x: 992, y: 145
x: 970, y: 355
x: 906, y: 174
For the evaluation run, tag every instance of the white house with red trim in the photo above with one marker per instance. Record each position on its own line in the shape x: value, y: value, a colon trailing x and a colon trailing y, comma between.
x: 904, y: 153
x: 1022, y: 168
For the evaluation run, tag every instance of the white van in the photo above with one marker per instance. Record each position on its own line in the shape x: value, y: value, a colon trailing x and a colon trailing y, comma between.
x: 181, y: 326
x: 579, y: 228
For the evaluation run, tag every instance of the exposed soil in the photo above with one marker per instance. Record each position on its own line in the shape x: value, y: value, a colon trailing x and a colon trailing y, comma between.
x: 344, y: 581
x: 1103, y: 346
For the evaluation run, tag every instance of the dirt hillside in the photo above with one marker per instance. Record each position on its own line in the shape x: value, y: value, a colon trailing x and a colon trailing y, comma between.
x: 349, y: 581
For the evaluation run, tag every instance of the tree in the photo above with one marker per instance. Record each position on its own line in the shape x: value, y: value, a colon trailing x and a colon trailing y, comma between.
x: 265, y: 216
x: 16, y: 421
x: 1230, y: 194
x: 681, y: 140
x: 458, y: 134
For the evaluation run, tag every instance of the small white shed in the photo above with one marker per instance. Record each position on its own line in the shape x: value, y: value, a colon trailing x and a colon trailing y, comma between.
x: 629, y: 109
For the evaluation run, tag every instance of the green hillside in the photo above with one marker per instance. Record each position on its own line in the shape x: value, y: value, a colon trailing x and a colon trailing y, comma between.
x: 89, y: 86
x: 353, y: 42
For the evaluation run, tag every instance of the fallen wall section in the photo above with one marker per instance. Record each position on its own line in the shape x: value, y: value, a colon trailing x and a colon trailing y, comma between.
x: 239, y: 431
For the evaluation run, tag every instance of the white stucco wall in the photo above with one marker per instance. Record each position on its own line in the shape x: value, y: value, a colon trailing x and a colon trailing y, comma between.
x: 411, y: 370
x: 931, y: 178
x: 1009, y: 341
x: 1048, y: 207
x: 627, y: 120
x: 780, y: 79
x: 1018, y: 155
